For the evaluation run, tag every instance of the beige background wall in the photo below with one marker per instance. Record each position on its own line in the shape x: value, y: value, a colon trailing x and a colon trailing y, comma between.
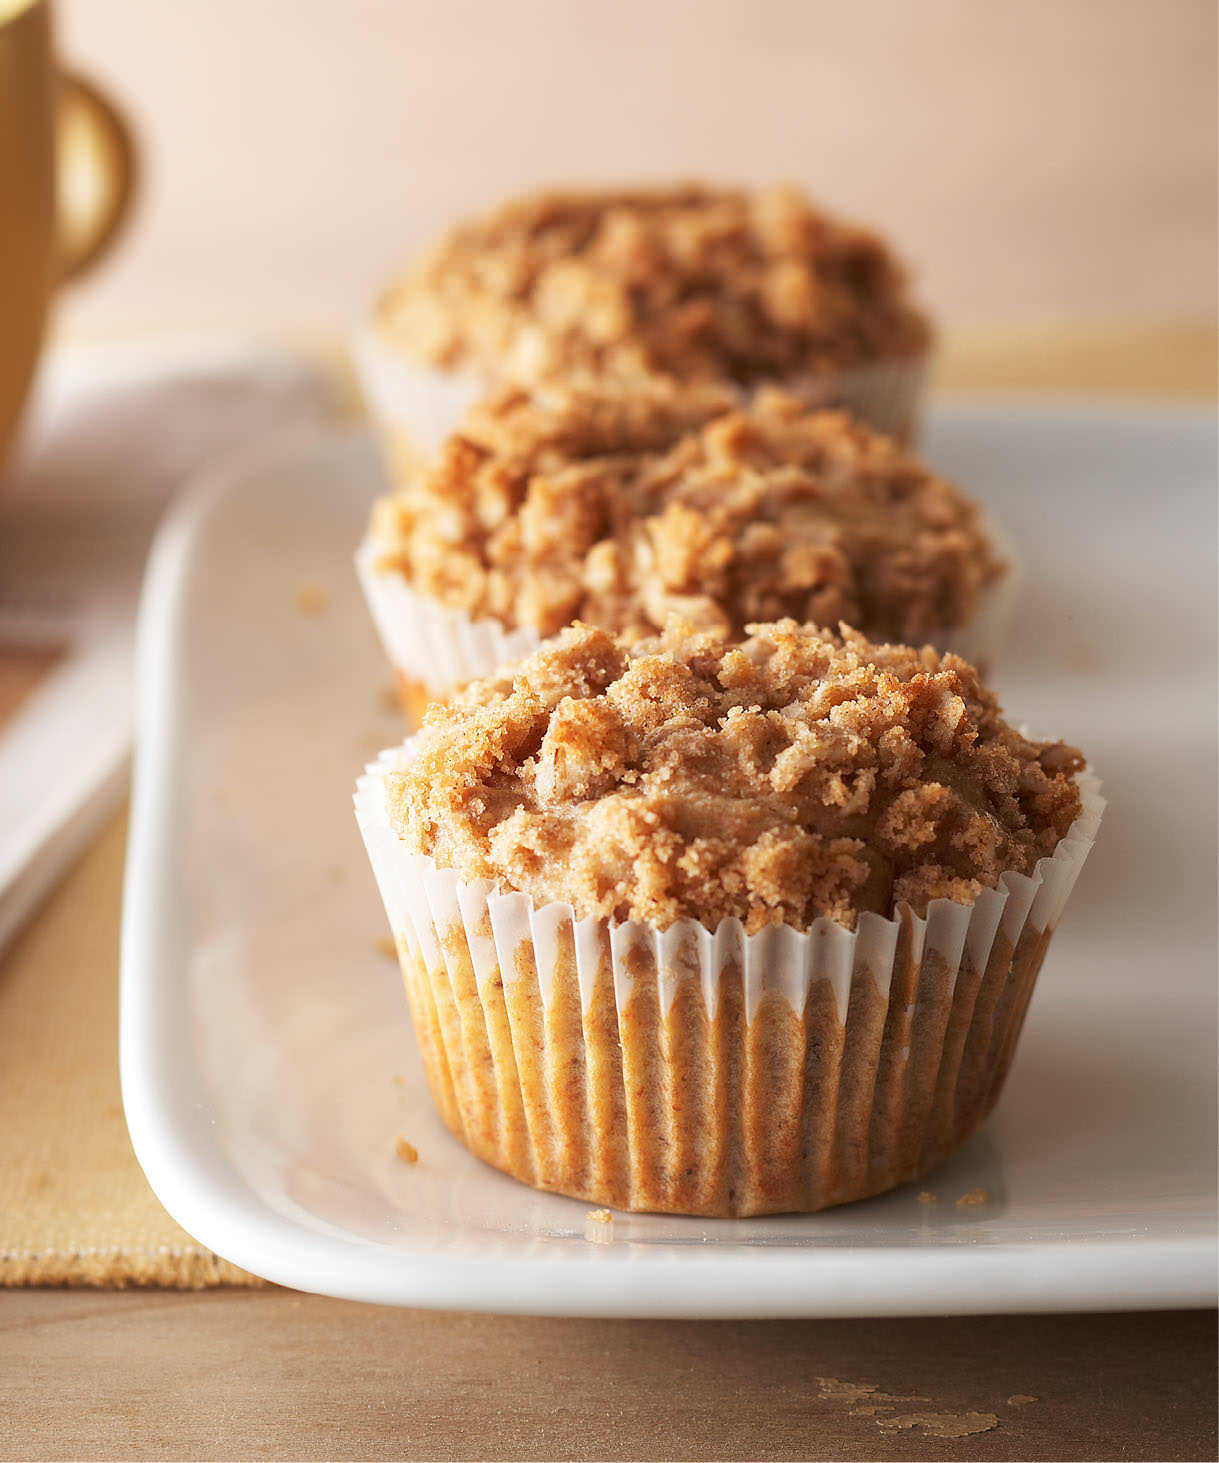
x: 1038, y: 159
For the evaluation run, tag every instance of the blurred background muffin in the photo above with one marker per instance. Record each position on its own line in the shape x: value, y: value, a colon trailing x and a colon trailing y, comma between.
x: 697, y: 283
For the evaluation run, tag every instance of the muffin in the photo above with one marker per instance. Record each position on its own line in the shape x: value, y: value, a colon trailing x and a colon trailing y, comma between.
x: 711, y: 926
x: 620, y: 508
x: 695, y: 283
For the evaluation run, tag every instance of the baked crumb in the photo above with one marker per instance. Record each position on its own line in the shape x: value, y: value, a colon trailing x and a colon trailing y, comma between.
x: 311, y: 599
x: 973, y: 1199
x: 1020, y: 1399
x: 398, y: 1080
x: 926, y: 1198
x: 696, y: 282
x: 623, y: 508
x: 407, y: 1152
x: 835, y: 1389
x: 386, y: 945
x: 942, y: 1424
x: 600, y: 1216
x: 794, y: 775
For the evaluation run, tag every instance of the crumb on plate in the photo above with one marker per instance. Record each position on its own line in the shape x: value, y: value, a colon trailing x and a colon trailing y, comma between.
x: 973, y: 1199
x: 311, y: 599
x: 407, y: 1152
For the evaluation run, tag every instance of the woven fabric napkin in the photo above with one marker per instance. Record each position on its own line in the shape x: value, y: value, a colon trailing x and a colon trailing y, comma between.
x: 122, y: 431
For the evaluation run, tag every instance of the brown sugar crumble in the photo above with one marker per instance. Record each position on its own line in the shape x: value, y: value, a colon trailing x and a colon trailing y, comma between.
x: 794, y: 775
x: 621, y: 508
x: 696, y: 282
x: 407, y: 1152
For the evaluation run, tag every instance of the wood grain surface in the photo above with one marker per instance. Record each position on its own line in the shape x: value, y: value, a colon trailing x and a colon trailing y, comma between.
x: 270, y: 1374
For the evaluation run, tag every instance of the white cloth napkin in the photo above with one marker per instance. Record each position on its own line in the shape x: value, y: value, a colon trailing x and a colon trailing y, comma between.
x: 115, y: 431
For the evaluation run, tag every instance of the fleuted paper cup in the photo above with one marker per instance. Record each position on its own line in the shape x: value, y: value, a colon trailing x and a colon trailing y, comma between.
x: 415, y: 407
x: 713, y: 1073
x: 434, y: 649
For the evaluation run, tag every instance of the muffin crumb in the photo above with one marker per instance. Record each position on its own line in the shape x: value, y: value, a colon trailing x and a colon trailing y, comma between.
x: 1020, y: 1399
x: 385, y: 945
x: 941, y: 1424
x: 311, y: 600
x: 407, y: 1152
x: 973, y: 1199
x: 926, y: 1198
x: 600, y: 1216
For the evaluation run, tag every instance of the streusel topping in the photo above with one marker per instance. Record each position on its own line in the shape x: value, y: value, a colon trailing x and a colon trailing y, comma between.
x: 795, y: 774
x: 621, y: 508
x: 699, y: 283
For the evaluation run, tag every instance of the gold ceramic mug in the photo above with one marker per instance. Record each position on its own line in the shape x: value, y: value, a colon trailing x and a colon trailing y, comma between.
x: 66, y: 174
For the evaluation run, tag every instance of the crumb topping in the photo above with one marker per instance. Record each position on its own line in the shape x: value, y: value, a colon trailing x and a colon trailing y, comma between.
x: 699, y: 283
x: 621, y: 508
x: 795, y: 774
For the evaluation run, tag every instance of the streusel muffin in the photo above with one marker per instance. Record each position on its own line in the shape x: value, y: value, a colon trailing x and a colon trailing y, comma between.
x: 695, y: 283
x: 621, y: 508
x: 722, y: 927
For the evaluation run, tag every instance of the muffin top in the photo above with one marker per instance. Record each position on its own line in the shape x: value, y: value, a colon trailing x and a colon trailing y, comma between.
x: 622, y: 507
x: 699, y: 283
x: 794, y: 774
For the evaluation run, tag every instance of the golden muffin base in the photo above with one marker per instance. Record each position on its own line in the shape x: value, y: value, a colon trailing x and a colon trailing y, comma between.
x: 678, y: 1112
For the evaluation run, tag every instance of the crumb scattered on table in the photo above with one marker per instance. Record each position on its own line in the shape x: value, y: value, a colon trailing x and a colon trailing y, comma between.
x: 386, y: 946
x: 833, y: 1389
x: 601, y: 1216
x: 1020, y: 1399
x: 941, y: 1424
x: 926, y: 1198
x: 973, y: 1199
x: 407, y: 1152
x: 399, y: 1080
x: 311, y: 599
x: 390, y: 699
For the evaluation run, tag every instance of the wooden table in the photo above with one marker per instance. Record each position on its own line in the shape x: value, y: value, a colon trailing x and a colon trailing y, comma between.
x: 272, y: 1374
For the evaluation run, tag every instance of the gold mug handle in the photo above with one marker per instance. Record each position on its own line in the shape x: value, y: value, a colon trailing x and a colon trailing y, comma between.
x: 95, y: 162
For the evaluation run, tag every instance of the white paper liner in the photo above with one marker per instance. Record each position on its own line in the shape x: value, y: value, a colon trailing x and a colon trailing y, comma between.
x: 440, y: 648
x: 423, y: 900
x: 428, y: 642
x: 549, y: 1059
x: 423, y: 405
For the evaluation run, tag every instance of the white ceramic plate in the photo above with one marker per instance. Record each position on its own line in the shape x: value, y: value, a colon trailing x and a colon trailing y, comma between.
x: 267, y: 1056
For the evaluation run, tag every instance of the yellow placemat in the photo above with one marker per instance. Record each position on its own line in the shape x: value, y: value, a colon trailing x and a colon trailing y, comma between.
x: 74, y: 1207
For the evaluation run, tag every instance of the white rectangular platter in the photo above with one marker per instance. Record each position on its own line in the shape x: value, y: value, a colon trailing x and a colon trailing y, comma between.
x: 267, y: 1057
